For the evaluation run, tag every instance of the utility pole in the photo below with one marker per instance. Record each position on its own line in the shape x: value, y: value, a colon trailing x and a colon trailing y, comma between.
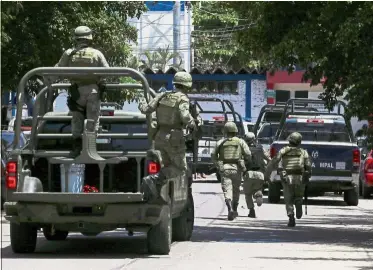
x: 176, y: 32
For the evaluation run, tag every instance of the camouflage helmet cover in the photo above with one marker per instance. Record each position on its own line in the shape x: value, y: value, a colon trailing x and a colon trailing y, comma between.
x: 249, y: 137
x: 83, y: 32
x: 230, y: 127
x: 295, y: 138
x: 183, y: 78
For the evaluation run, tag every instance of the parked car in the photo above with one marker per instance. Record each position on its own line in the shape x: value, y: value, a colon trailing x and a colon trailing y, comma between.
x: 366, y: 175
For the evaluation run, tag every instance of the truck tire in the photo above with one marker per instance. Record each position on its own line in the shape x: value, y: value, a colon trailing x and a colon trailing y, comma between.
x: 274, y: 193
x: 57, y: 236
x: 365, y: 192
x: 182, y: 226
x: 23, y: 237
x: 351, y: 197
x: 159, y: 237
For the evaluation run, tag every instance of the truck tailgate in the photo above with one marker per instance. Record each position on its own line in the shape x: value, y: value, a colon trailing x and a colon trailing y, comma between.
x: 327, y: 158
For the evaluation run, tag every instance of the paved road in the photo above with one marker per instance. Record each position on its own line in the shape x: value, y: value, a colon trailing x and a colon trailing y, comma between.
x: 332, y: 236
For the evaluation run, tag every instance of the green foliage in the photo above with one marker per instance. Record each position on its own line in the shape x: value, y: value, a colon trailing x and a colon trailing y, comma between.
x: 330, y: 39
x: 160, y: 59
x: 215, y: 23
x: 35, y: 34
x: 124, y: 95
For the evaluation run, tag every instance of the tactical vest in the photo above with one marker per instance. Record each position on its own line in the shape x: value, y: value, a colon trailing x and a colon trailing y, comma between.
x: 230, y: 150
x: 168, y: 111
x: 293, y: 161
x: 84, y: 57
x: 257, y: 159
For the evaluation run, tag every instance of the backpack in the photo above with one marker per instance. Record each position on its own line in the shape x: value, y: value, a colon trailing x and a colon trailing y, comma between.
x: 257, y: 159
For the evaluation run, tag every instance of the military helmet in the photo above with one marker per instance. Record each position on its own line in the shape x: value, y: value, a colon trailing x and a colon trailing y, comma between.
x: 295, y: 138
x: 83, y: 32
x: 230, y: 127
x: 249, y: 137
x: 183, y: 78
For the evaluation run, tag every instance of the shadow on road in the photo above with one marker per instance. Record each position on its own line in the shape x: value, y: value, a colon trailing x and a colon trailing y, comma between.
x: 108, y: 245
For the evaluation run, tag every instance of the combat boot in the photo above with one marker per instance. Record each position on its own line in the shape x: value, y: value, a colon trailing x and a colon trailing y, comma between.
x: 291, y: 221
x: 77, y: 147
x: 228, y: 202
x: 235, y: 212
x: 298, y: 210
x: 259, y: 198
x: 252, y: 213
x: 149, y: 186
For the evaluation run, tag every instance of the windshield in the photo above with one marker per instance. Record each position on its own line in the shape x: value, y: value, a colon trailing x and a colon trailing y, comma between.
x: 268, y: 131
x: 272, y: 117
x: 8, y: 137
x: 214, y: 130
x: 325, y: 132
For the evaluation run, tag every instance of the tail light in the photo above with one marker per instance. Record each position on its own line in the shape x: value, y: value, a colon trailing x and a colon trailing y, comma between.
x: 356, y: 157
x: 315, y: 121
x: 369, y: 166
x: 273, y: 152
x: 153, y: 167
x: 11, y: 175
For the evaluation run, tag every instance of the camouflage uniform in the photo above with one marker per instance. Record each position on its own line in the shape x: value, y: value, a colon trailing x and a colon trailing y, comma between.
x: 228, y: 156
x: 173, y: 115
x: 88, y: 101
x: 254, y: 178
x: 296, y: 169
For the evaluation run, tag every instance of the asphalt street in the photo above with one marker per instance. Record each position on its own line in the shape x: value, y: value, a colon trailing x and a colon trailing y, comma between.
x: 331, y: 236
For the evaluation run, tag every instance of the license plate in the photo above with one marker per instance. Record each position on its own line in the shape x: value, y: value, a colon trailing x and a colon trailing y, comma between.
x: 103, y: 141
x: 340, y: 165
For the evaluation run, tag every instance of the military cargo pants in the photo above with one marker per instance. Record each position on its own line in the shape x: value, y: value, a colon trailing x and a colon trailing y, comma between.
x: 252, y: 186
x: 171, y: 145
x: 89, y: 99
x: 230, y: 183
x: 293, y: 195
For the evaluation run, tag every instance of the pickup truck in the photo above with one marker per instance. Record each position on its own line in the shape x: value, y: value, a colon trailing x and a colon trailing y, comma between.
x: 37, y: 194
x: 330, y: 143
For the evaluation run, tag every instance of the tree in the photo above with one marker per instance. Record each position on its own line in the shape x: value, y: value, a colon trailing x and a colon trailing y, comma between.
x: 35, y: 34
x: 214, y: 45
x: 332, y: 40
x: 160, y: 59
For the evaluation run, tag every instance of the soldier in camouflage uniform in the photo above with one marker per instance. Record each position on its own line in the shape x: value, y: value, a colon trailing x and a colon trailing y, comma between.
x: 173, y: 115
x: 254, y: 177
x: 296, y: 170
x: 228, y: 157
x: 84, y: 98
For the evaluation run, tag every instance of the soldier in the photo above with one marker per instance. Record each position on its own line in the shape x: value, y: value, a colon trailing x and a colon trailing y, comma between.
x: 84, y: 93
x: 254, y: 178
x: 228, y: 157
x: 296, y: 170
x: 173, y: 115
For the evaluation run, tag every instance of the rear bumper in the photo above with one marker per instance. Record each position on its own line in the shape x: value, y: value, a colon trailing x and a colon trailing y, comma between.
x: 334, y: 182
x: 119, y: 210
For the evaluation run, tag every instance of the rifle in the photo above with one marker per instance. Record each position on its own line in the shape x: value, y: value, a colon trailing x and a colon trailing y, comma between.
x: 195, y: 136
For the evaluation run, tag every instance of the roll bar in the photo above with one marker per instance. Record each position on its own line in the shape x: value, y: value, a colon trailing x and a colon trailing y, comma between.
x: 68, y: 71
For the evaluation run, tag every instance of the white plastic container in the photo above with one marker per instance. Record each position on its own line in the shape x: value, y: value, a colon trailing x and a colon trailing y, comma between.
x: 75, y: 175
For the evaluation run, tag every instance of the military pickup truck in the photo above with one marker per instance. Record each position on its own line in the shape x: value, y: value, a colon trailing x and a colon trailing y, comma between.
x: 329, y: 140
x: 212, y: 131
x: 115, y: 163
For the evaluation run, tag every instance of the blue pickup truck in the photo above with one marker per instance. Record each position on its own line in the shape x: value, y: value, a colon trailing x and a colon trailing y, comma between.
x: 328, y: 138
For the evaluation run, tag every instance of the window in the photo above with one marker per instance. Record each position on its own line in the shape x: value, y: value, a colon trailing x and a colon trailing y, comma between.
x: 213, y: 87
x: 301, y: 94
x: 282, y: 95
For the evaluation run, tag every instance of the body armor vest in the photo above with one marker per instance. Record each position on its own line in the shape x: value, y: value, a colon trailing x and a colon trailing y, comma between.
x: 168, y: 111
x: 293, y: 161
x: 230, y: 150
x: 84, y: 57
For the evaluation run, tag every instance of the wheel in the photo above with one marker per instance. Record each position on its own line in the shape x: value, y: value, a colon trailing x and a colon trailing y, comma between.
x: 351, y: 197
x: 57, y: 236
x: 360, y: 187
x: 23, y: 237
x: 274, y: 193
x: 182, y: 226
x: 160, y: 236
x: 365, y: 192
x: 218, y: 177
